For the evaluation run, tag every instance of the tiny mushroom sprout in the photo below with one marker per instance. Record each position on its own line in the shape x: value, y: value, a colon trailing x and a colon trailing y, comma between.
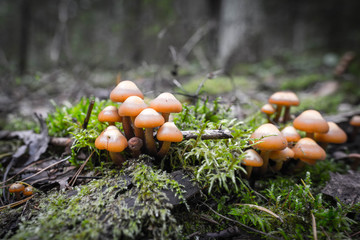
x: 268, y: 109
x: 355, y: 122
x: 311, y: 121
x: 168, y: 133
x: 109, y: 114
x: 291, y: 135
x: 279, y: 157
x: 334, y: 135
x: 16, y: 188
x: 135, y: 144
x: 267, y: 138
x: 120, y: 93
x: 28, y: 191
x: 149, y: 119
x: 251, y: 159
x: 284, y: 98
x: 308, y: 151
x: 130, y: 108
x: 165, y: 104
x: 112, y: 140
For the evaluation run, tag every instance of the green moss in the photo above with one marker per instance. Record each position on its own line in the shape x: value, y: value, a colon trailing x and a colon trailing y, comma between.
x: 302, y: 82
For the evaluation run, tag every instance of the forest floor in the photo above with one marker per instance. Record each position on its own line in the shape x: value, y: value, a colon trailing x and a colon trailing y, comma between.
x: 187, y: 199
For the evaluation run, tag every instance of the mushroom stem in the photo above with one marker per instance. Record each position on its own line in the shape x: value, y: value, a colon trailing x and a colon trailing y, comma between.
x: 278, y: 113
x: 164, y: 149
x: 166, y: 116
x: 310, y: 135
x: 248, y: 171
x: 139, y: 132
x: 278, y: 165
x: 150, y: 141
x: 117, y: 158
x: 265, y: 157
x: 324, y: 145
x: 126, y: 122
x: 299, y: 166
x: 286, y: 114
x: 135, y: 144
x: 17, y: 196
x: 111, y: 124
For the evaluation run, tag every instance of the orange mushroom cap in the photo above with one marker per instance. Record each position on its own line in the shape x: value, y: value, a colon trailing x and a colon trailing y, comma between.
x: 111, y: 139
x: 166, y: 103
x: 285, y: 98
x: 149, y: 118
x: 282, y: 155
x: 109, y: 114
x: 355, y: 121
x: 132, y: 106
x: 334, y: 135
x: 252, y: 158
x: 268, y: 109
x: 168, y: 132
x: 268, y: 138
x: 311, y: 121
x: 291, y: 134
x: 307, y: 148
x: 124, y: 90
x: 28, y: 191
x: 16, y: 188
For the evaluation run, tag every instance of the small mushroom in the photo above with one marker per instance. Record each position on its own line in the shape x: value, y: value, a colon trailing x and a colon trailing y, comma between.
x: 334, y: 135
x: 16, y: 188
x: 269, y: 110
x: 165, y: 104
x: 267, y: 138
x: 135, y: 144
x: 149, y: 119
x: 355, y: 123
x: 251, y: 159
x: 279, y: 157
x: 284, y: 98
x: 28, y: 191
x: 112, y: 140
x: 311, y: 121
x: 168, y: 133
x: 124, y: 90
x: 307, y: 151
x: 291, y: 135
x: 109, y: 114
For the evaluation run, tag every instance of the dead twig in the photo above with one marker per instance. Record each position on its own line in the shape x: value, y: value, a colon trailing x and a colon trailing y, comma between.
x: 88, y: 114
x: 74, y: 178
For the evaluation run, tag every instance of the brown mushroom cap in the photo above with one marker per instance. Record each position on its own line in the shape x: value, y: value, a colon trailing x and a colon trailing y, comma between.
x: 111, y: 139
x: 149, y: 118
x: 168, y: 132
x: 291, y: 134
x: 16, y: 188
x: 166, y: 103
x: 282, y: 155
x: 268, y: 109
x: 109, y: 114
x: 334, y: 135
x: 268, y: 138
x: 28, y: 191
x: 132, y: 106
x: 307, y: 148
x: 355, y: 121
x: 285, y: 98
x: 124, y: 90
x: 252, y: 158
x: 311, y: 121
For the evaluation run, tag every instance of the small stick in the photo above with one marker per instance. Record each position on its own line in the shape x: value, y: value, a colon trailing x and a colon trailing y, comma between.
x: 74, y: 178
x: 88, y: 114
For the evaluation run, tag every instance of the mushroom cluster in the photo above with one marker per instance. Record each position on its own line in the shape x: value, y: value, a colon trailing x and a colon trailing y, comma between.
x: 19, y: 189
x: 140, y: 122
x: 278, y: 144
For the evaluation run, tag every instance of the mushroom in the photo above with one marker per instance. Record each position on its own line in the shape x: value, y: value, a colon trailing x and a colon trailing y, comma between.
x: 311, y: 121
x: 149, y: 119
x: 308, y: 151
x: 16, y: 188
x: 112, y: 140
x: 165, y: 104
x: 355, y: 122
x: 168, y: 133
x: 291, y: 135
x: 284, y: 98
x: 279, y: 157
x: 334, y: 135
x: 268, y: 109
x: 251, y: 159
x: 135, y: 144
x: 109, y: 114
x: 267, y: 138
x: 28, y: 191
x: 120, y: 93
x: 129, y: 109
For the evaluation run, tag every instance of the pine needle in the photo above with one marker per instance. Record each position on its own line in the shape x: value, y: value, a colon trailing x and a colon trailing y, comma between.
x: 264, y: 210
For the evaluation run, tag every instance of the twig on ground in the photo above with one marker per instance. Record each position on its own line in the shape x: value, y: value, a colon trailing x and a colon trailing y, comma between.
x: 88, y: 114
x: 74, y: 178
